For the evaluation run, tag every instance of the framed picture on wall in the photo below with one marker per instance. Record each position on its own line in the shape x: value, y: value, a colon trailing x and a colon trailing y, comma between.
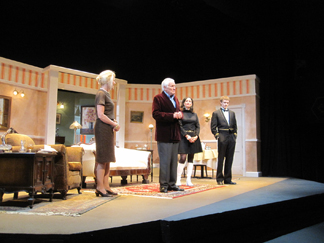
x: 5, y: 108
x: 88, y: 119
x: 137, y: 116
x: 58, y: 118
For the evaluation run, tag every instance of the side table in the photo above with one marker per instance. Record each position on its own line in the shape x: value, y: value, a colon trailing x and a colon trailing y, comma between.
x: 30, y: 172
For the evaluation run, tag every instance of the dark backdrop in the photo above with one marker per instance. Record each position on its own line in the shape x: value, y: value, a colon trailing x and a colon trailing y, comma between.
x: 144, y: 41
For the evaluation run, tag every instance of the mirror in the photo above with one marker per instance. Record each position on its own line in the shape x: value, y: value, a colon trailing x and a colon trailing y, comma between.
x: 5, y: 107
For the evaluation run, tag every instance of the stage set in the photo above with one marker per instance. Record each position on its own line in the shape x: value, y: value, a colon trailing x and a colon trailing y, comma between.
x: 257, y: 209
x: 254, y: 210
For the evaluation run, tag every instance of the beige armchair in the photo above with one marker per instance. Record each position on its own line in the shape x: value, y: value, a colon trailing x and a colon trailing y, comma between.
x: 67, y: 166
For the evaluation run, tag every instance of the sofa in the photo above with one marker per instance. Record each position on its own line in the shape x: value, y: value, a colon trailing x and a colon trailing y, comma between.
x: 67, y: 165
x: 128, y: 162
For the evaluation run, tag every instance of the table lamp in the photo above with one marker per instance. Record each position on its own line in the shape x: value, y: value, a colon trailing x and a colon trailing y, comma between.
x: 75, y: 125
x: 151, y: 128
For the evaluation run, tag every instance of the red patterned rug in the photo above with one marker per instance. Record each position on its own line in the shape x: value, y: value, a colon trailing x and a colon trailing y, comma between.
x: 153, y: 190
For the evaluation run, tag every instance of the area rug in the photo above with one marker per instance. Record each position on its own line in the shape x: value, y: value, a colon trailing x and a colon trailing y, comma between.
x: 75, y: 205
x: 153, y: 190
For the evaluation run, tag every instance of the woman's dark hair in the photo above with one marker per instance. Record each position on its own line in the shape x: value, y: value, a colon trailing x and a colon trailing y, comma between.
x: 184, y: 100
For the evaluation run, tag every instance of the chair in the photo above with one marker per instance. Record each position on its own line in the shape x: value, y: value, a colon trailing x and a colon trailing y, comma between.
x: 67, y: 166
x: 202, y: 168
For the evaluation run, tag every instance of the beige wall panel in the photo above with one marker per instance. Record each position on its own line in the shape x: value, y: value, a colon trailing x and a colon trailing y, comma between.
x: 135, y: 132
x: 28, y: 114
x: 252, y: 157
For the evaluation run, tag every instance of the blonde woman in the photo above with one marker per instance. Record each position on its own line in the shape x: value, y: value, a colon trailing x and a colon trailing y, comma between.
x: 104, y: 133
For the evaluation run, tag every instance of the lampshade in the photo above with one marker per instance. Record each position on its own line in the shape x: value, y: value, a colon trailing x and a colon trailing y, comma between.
x: 151, y: 126
x: 75, y: 125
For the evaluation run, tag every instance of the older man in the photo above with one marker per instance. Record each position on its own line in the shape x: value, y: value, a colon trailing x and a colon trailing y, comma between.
x: 166, y: 112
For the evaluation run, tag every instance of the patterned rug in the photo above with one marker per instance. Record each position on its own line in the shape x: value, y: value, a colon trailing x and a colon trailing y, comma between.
x: 75, y: 205
x: 153, y: 190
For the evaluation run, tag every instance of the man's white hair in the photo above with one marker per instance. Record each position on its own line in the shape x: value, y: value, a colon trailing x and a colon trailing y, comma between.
x: 166, y: 82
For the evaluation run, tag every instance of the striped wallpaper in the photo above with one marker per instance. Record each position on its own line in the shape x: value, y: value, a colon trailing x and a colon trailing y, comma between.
x: 77, y: 80
x: 27, y: 75
x: 23, y: 75
x: 84, y: 82
x: 210, y: 89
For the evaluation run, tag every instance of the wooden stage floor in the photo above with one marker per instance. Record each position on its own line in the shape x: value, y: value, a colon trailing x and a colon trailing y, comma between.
x: 250, y: 203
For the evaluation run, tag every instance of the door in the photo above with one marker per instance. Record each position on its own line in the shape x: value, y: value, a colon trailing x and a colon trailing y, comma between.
x: 237, y: 168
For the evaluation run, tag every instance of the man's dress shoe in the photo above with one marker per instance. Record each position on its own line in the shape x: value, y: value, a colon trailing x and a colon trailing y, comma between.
x: 220, y: 182
x: 163, y: 189
x: 230, y: 183
x: 175, y: 188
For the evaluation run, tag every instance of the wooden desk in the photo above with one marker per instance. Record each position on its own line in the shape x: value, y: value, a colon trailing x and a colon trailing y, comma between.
x: 30, y: 172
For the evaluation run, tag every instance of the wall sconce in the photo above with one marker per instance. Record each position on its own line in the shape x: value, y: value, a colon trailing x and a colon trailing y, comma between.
x: 15, y: 92
x: 61, y: 106
x: 207, y: 117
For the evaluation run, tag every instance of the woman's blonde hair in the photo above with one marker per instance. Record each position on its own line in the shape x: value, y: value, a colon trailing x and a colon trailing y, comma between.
x: 105, y: 77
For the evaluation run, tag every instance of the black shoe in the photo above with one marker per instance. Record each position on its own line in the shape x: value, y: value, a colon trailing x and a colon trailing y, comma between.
x: 230, y: 183
x: 111, y: 192
x: 102, y: 194
x: 175, y: 188
x: 163, y: 189
x: 220, y: 182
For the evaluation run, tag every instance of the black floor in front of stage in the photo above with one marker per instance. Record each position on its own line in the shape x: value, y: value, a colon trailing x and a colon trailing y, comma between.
x: 254, y: 210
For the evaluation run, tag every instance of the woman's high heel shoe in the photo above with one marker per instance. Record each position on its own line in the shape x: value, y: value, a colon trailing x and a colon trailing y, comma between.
x: 111, y: 192
x: 101, y: 194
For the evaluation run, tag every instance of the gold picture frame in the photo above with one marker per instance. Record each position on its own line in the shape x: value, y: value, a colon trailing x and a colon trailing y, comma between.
x: 136, y: 116
x: 5, y: 111
x: 58, y: 118
x: 88, y: 119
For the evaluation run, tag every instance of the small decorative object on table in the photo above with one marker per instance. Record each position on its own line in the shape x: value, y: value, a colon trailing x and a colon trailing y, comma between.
x: 22, y: 148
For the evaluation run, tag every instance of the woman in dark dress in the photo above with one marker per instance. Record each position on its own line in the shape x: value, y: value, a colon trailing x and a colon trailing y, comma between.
x: 104, y: 133
x: 190, y: 142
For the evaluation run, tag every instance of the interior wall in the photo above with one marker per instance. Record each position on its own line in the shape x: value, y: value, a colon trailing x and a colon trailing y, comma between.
x: 28, y: 113
x: 32, y: 115
x: 243, y: 92
x: 72, y: 112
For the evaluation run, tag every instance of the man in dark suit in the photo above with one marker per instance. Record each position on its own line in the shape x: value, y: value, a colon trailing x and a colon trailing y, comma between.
x: 166, y: 112
x: 223, y: 126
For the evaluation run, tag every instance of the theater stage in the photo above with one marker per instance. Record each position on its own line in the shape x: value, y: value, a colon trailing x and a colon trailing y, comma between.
x: 254, y: 210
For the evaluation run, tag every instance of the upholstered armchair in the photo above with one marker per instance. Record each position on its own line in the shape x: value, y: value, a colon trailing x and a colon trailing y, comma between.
x: 67, y: 166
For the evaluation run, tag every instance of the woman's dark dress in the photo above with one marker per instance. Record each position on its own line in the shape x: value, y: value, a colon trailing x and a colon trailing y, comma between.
x: 189, y: 125
x: 104, y: 134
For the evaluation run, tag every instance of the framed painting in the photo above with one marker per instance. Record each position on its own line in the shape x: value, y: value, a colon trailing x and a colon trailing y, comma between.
x: 5, y: 110
x: 137, y: 116
x: 58, y: 118
x: 88, y: 119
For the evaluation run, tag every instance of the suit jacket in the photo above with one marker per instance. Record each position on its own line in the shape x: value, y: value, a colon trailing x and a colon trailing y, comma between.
x: 219, y: 121
x: 167, y: 128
